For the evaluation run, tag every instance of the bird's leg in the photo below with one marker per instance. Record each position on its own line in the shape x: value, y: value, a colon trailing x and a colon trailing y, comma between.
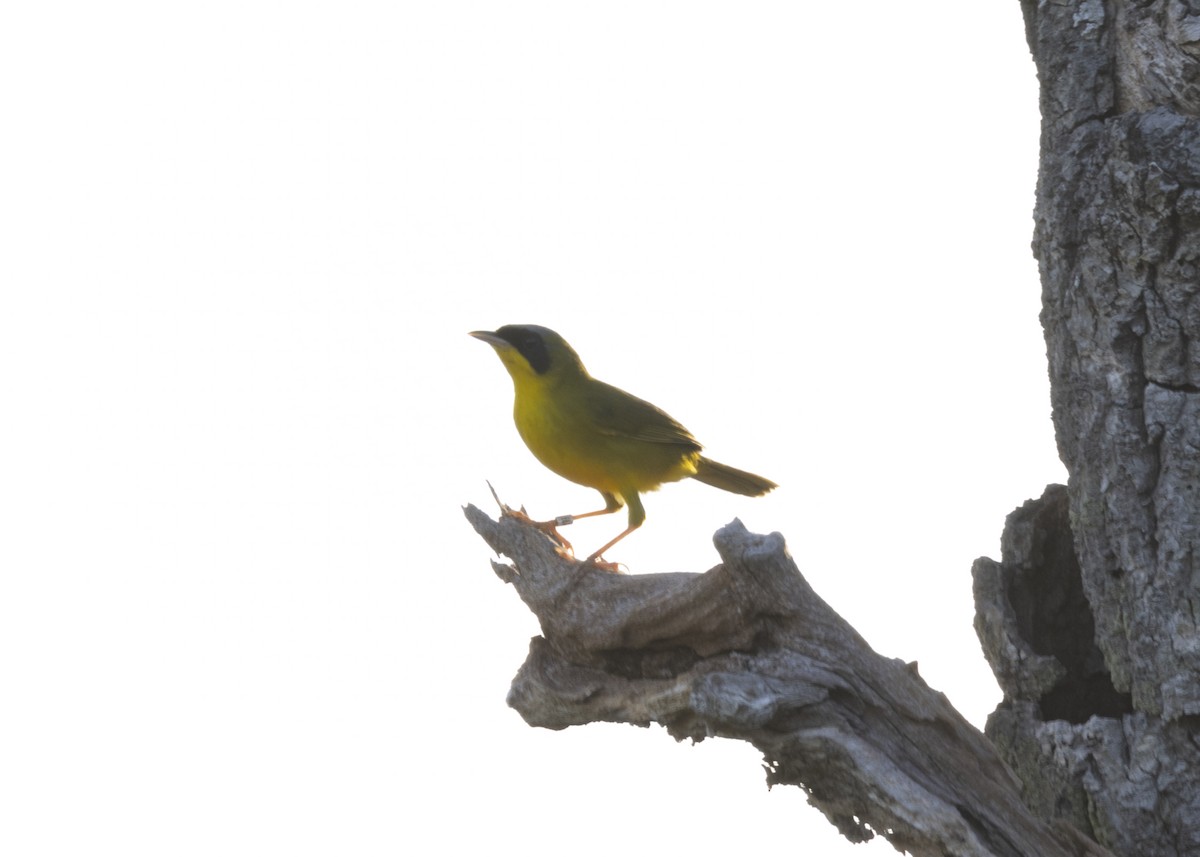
x: 637, y: 516
x: 550, y: 528
x: 611, y: 504
x: 547, y: 527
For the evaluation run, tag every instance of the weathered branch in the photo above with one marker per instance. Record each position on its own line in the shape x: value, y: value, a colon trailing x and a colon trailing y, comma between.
x: 747, y: 650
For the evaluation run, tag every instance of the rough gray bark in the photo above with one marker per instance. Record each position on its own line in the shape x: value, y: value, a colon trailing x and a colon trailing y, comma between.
x: 747, y: 650
x: 1092, y: 618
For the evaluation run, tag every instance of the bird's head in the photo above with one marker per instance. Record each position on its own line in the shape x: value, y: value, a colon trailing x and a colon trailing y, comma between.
x: 529, y: 351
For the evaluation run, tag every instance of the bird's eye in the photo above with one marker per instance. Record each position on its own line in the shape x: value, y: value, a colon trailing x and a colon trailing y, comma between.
x: 533, y: 348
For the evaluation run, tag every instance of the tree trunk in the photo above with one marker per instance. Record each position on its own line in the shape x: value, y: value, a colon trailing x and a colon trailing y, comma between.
x: 1090, y: 619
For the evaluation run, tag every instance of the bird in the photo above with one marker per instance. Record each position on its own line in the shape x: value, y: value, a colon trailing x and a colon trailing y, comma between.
x: 597, y: 435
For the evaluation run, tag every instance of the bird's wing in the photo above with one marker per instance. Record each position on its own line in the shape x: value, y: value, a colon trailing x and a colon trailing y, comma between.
x: 615, y: 412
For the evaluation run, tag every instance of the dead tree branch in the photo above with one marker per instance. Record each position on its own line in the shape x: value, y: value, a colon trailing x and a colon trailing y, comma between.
x: 747, y: 650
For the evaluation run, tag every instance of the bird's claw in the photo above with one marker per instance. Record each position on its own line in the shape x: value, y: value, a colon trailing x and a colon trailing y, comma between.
x: 605, y: 565
x: 547, y: 527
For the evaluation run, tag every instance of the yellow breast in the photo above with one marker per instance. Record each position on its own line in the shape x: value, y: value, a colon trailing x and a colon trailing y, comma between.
x: 560, y: 429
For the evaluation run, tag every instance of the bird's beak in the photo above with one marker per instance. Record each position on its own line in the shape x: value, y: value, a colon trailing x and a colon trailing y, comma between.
x: 489, y: 337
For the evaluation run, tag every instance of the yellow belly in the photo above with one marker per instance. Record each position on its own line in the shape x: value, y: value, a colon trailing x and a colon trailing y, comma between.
x: 565, y: 442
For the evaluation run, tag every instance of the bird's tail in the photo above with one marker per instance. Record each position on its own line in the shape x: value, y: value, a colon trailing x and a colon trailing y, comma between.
x: 730, y: 478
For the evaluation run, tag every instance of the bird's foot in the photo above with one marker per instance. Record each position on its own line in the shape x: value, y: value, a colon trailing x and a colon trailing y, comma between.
x: 550, y: 528
x: 604, y: 565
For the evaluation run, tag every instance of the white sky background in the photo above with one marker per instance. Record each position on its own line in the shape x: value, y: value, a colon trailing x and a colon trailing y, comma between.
x: 240, y: 609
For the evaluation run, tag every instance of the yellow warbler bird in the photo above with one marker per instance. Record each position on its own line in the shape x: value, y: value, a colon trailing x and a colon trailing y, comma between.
x: 597, y: 435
